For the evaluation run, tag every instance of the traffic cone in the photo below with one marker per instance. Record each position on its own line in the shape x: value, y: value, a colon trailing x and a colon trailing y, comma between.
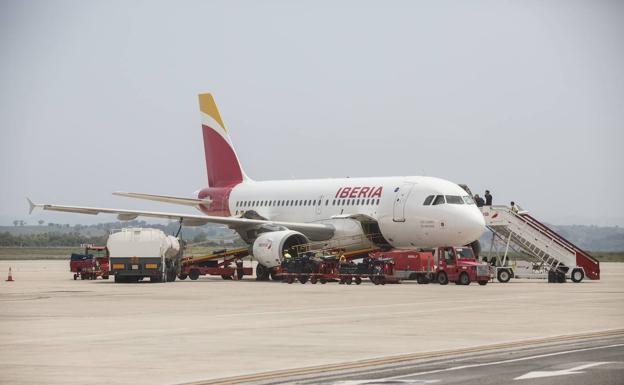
x: 10, y: 278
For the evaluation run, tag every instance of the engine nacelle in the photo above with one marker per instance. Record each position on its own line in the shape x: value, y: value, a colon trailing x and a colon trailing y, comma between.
x: 268, y: 248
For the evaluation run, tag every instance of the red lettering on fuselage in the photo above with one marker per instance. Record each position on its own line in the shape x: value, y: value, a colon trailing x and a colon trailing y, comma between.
x: 359, y: 192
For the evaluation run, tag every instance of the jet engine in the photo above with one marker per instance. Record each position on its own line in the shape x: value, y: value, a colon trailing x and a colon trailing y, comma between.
x: 268, y: 248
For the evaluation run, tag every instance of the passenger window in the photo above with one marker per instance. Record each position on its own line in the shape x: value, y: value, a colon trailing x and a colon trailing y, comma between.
x: 454, y: 200
x: 439, y: 200
x: 358, y: 202
x: 428, y: 200
x: 334, y: 202
x: 327, y: 202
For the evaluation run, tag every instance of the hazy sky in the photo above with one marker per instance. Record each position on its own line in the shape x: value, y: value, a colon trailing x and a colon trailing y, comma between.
x: 525, y: 98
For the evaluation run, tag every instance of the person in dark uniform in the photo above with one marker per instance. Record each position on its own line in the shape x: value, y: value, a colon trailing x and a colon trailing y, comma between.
x: 488, y: 198
x: 478, y: 200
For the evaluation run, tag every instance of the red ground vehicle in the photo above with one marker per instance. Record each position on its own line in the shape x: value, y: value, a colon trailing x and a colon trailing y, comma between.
x: 90, y: 265
x: 443, y: 265
x: 226, y: 263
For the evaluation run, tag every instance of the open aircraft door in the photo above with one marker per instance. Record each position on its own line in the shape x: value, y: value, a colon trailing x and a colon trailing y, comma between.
x: 400, y: 199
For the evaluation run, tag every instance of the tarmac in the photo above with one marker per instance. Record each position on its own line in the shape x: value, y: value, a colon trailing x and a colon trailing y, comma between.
x: 55, y: 330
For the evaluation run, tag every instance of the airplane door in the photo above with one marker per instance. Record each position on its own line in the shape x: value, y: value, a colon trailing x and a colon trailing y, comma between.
x: 319, y: 206
x: 400, y: 199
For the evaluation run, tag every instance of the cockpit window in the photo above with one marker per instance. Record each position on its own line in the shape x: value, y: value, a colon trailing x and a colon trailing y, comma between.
x: 439, y: 200
x: 454, y: 200
x: 428, y: 200
x: 468, y: 199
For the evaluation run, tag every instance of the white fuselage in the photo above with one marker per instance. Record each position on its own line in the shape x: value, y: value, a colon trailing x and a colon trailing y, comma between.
x: 395, y: 203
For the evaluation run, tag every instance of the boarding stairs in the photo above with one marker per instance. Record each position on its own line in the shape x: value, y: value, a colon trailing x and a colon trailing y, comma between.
x: 538, y: 241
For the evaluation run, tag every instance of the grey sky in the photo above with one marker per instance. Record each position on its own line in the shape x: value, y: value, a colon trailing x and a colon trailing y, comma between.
x: 525, y: 98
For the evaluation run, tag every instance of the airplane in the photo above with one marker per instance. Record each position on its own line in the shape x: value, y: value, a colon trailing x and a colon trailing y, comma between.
x: 403, y: 212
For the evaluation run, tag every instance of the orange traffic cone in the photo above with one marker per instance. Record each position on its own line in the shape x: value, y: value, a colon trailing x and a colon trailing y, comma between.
x: 10, y: 278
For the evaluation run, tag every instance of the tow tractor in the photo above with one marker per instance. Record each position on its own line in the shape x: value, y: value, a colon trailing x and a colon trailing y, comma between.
x: 442, y: 265
x: 226, y: 263
x: 90, y: 265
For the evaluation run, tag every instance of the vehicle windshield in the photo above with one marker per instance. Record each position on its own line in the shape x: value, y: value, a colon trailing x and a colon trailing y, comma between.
x: 464, y: 253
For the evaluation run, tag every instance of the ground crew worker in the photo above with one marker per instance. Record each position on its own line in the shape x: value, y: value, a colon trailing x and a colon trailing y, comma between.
x: 342, y: 259
x: 488, y: 198
x: 515, y: 208
x: 478, y: 200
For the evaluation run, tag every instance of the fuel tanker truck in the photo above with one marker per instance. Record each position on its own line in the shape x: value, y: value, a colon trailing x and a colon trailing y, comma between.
x: 137, y: 253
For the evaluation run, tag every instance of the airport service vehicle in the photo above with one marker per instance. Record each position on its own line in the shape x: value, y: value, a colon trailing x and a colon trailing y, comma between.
x: 549, y: 255
x: 401, y: 212
x: 329, y: 268
x: 90, y: 265
x: 226, y: 263
x: 137, y: 253
x: 442, y: 265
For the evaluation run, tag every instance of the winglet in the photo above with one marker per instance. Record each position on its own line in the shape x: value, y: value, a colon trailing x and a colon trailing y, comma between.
x: 32, y: 206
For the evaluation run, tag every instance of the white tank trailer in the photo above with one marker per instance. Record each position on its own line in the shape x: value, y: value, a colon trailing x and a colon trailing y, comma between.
x: 137, y: 253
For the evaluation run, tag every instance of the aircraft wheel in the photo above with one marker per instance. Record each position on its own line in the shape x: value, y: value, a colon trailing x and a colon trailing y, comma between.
x: 262, y: 273
x: 577, y: 275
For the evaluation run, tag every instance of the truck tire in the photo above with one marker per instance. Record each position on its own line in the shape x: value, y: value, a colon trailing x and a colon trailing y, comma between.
x: 483, y: 283
x: 442, y: 278
x: 182, y: 277
x: 194, y: 274
x: 262, y: 273
x: 561, y: 277
x: 464, y: 279
x: 577, y: 275
x: 503, y: 275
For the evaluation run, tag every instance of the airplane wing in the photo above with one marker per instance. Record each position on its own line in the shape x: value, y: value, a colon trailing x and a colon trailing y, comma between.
x: 165, y: 198
x: 314, y: 231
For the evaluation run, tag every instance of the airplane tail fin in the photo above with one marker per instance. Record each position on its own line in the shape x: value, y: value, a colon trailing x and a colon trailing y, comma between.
x: 222, y: 164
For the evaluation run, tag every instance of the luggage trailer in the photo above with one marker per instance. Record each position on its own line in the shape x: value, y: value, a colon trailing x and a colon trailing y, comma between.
x: 226, y: 263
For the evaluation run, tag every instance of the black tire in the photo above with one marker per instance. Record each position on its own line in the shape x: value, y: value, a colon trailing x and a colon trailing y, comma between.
x: 577, y: 275
x: 262, y: 273
x: 156, y: 279
x: 323, y: 281
x: 226, y: 277
x: 503, y: 275
x: 349, y: 280
x: 75, y: 277
x: 442, y: 278
x: 303, y: 279
x: 358, y: 280
x: 182, y: 277
x: 464, y: 279
x: 194, y: 274
x: 552, y: 276
x: 483, y: 283
x: 313, y: 280
x: 290, y: 279
x: 561, y: 277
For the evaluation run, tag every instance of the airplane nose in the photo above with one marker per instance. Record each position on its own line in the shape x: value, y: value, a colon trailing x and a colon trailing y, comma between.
x: 474, y: 225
